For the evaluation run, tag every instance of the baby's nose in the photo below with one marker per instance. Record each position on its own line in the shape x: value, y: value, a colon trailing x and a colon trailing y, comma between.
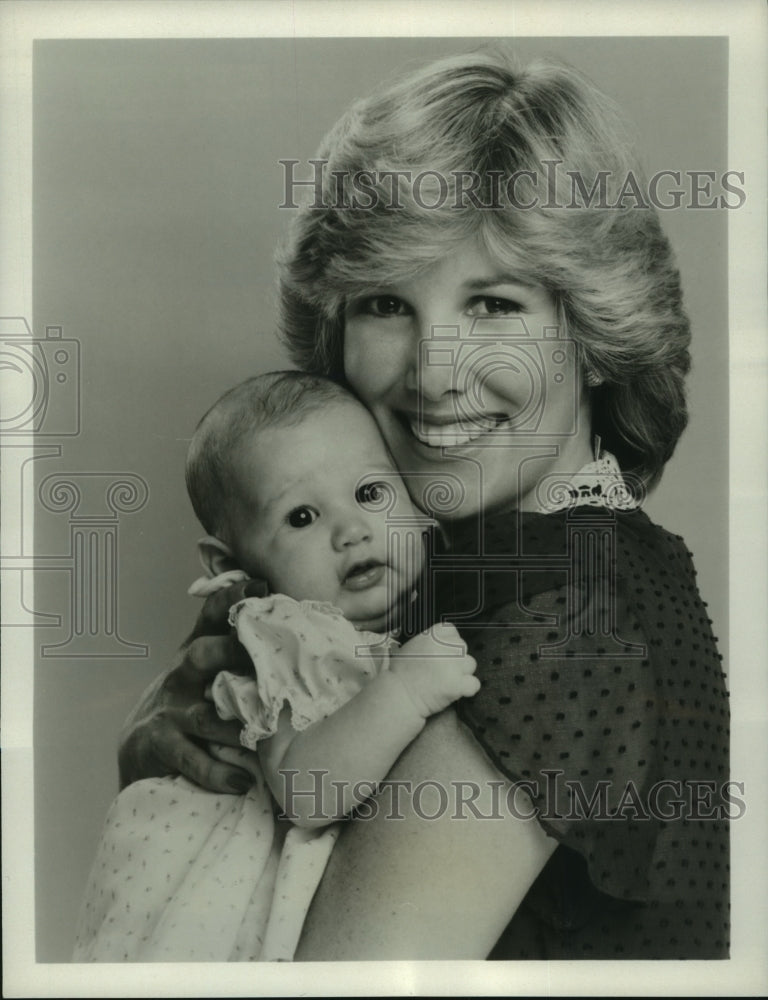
x: 351, y: 532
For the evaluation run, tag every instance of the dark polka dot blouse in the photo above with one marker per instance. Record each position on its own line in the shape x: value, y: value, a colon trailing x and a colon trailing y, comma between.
x: 602, y: 691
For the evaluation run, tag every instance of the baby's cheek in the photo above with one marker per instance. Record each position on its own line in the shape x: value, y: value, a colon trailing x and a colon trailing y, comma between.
x: 301, y: 580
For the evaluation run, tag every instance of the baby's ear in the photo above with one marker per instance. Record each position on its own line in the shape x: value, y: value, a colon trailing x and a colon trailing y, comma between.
x: 216, y: 556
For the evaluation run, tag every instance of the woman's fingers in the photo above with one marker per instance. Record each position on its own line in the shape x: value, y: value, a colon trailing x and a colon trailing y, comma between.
x: 161, y: 735
x: 224, y: 778
x: 206, y: 656
x: 239, y: 757
x: 202, y: 721
x: 214, y: 614
x: 255, y: 588
x: 163, y: 742
x: 186, y: 758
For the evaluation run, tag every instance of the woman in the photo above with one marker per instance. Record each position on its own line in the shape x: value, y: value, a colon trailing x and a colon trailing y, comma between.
x: 485, y: 272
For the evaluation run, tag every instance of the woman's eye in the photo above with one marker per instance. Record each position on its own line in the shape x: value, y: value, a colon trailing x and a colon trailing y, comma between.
x: 301, y: 517
x: 374, y: 493
x: 494, y: 305
x: 383, y: 305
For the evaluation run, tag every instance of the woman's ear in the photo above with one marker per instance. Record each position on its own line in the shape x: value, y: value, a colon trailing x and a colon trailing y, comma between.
x: 216, y: 556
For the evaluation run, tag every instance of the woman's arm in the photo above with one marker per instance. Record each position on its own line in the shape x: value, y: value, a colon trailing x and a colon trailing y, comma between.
x: 421, y: 888
x: 320, y: 774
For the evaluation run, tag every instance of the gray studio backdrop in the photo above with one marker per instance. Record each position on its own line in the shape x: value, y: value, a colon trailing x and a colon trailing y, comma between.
x: 156, y: 186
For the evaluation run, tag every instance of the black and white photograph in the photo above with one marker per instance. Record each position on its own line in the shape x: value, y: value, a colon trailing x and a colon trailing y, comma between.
x: 384, y: 443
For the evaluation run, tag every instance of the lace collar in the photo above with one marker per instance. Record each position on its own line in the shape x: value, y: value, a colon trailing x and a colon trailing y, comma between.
x: 598, y: 484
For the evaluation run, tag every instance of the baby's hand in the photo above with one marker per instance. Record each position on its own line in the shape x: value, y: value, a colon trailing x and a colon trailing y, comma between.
x: 434, y: 674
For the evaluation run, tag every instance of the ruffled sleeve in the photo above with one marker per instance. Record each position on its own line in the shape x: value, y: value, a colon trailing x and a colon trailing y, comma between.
x: 576, y: 723
x: 602, y: 691
x: 305, y: 655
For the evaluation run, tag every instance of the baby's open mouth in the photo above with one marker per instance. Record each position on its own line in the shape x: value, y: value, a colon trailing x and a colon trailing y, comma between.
x: 364, y: 574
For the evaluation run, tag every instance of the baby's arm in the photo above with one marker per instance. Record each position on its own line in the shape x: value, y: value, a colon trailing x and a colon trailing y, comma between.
x: 319, y: 774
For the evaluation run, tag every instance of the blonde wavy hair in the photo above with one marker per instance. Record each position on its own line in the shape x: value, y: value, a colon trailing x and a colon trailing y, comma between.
x: 610, y: 269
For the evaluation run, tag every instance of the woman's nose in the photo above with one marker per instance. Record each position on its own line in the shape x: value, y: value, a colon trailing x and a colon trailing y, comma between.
x: 435, y: 359
x: 350, y: 531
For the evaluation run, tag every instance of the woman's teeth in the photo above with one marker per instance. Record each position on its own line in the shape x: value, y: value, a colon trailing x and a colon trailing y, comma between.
x: 450, y: 435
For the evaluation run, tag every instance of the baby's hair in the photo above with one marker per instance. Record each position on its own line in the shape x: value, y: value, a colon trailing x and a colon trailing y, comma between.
x: 610, y: 270
x: 279, y: 398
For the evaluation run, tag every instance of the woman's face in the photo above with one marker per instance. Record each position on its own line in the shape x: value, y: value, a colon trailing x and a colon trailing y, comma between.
x: 476, y: 390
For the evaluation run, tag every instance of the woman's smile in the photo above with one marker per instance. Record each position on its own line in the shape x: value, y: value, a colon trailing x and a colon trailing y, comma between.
x: 446, y: 431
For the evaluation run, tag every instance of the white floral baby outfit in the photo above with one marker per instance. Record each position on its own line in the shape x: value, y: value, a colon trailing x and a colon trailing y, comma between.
x: 183, y: 874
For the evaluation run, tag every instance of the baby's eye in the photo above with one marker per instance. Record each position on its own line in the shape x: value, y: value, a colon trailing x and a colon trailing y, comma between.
x: 301, y: 517
x: 383, y: 306
x: 494, y: 305
x: 376, y: 493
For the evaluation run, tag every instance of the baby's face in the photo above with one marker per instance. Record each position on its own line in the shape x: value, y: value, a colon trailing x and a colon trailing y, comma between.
x: 316, y: 499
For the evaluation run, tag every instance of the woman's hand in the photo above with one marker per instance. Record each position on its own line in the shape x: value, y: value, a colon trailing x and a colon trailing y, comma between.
x: 167, y: 731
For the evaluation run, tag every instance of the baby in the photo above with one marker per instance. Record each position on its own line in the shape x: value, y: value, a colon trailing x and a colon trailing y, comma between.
x: 290, y: 478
